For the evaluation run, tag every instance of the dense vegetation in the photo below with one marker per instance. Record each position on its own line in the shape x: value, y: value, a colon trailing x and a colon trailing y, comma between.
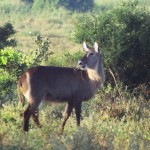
x: 78, y: 5
x: 123, y: 34
x: 118, y: 116
x: 6, y: 31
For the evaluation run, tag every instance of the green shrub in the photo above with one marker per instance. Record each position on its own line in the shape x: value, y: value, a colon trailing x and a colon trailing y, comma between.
x: 123, y: 35
x: 11, y: 67
x: 133, y: 61
x: 6, y: 87
x: 12, y: 62
x: 6, y: 31
x: 40, y: 54
x: 78, y: 5
x: 75, y: 5
x: 15, y: 62
x: 27, y: 1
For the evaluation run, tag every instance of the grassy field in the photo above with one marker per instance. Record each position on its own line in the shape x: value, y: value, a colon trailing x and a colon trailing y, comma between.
x: 56, y: 25
x: 107, y: 123
x: 114, y: 119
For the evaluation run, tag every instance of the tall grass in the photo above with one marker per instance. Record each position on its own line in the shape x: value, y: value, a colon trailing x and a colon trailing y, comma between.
x: 114, y: 2
x: 55, y: 24
x: 109, y: 121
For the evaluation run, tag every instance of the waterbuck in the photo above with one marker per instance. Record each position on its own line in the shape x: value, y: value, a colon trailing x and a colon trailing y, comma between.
x: 62, y: 84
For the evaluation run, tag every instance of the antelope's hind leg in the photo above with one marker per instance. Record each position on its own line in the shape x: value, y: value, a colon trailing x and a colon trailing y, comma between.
x: 35, y: 117
x: 30, y: 111
x: 26, y: 117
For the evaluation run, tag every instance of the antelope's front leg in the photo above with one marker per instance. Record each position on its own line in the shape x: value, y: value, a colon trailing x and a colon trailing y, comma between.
x: 67, y: 113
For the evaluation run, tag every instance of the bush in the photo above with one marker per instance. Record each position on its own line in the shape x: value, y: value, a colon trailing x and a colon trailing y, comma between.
x: 73, y: 5
x: 11, y: 67
x: 123, y: 35
x: 78, y: 5
x: 133, y: 60
x: 6, y: 90
x: 6, y: 31
x: 27, y: 1
x: 12, y: 62
x: 15, y: 62
x: 40, y: 54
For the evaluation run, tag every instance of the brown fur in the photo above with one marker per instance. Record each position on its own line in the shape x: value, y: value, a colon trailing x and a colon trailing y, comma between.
x: 61, y: 84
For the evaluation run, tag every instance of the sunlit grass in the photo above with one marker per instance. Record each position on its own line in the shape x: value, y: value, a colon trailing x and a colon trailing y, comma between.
x: 114, y: 2
x: 102, y: 126
x: 57, y: 25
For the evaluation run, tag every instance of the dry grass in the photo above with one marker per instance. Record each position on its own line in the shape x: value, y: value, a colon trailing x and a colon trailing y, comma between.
x: 57, y: 26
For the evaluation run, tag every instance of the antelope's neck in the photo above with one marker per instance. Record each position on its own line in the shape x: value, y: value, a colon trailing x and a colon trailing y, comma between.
x: 93, y: 75
x: 97, y: 75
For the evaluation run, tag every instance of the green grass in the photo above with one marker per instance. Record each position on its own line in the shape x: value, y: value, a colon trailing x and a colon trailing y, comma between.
x: 114, y: 2
x: 106, y: 124
x: 57, y: 25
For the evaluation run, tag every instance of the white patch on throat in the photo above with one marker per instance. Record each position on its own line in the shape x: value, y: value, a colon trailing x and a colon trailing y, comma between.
x: 28, y: 92
x: 93, y: 74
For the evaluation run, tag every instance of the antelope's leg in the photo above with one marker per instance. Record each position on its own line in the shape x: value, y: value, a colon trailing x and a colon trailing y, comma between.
x: 67, y: 113
x: 30, y: 110
x: 35, y: 117
x: 27, y: 114
x: 78, y: 112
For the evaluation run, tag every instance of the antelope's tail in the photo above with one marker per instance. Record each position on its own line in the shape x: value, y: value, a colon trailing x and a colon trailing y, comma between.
x: 20, y: 98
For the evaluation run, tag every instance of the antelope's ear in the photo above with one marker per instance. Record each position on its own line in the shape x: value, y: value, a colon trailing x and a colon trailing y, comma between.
x: 85, y: 47
x: 96, y: 47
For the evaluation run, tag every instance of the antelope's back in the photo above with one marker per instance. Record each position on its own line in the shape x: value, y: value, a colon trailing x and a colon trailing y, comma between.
x: 58, y: 83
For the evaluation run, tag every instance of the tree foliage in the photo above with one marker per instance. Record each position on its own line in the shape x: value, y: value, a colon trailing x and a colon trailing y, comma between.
x: 40, y: 54
x: 124, y: 36
x: 6, y: 31
x: 13, y: 63
x: 77, y: 5
x: 27, y: 1
x: 11, y: 67
x: 73, y: 5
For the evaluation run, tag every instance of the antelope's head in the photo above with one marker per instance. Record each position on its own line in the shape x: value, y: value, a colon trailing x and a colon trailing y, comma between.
x: 91, y: 57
